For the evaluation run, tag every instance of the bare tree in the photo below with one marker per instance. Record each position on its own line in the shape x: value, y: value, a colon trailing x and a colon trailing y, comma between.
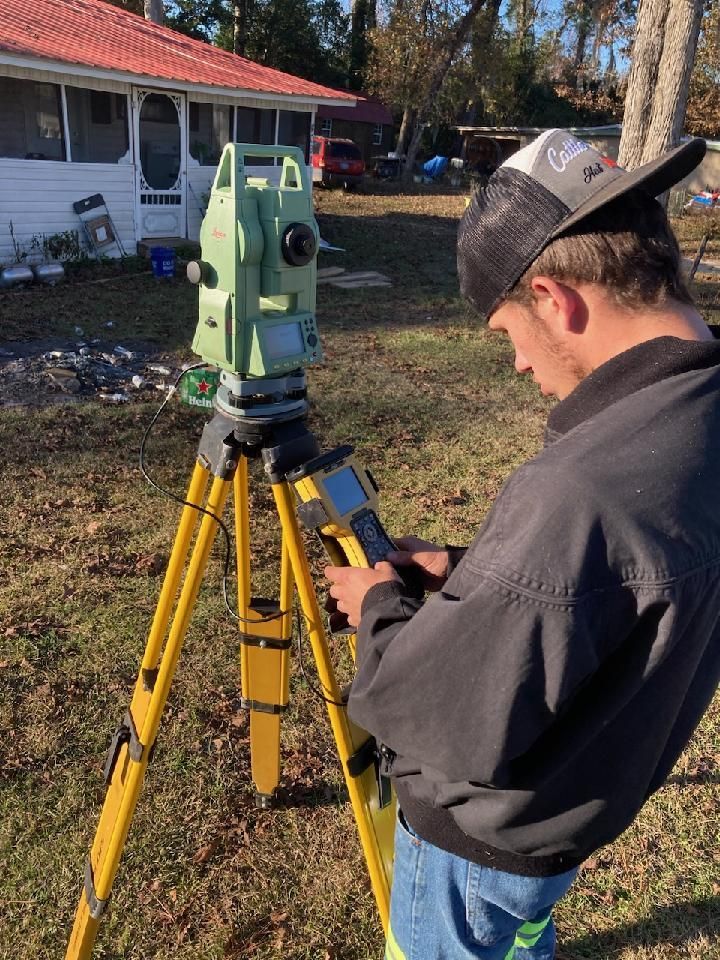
x: 662, y: 59
x: 413, y: 54
x: 154, y: 11
x: 437, y: 73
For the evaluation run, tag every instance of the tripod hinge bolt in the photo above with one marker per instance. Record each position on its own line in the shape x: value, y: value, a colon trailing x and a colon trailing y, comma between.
x: 230, y: 464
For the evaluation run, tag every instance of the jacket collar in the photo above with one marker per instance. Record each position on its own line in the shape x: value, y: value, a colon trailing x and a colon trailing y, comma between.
x: 641, y: 366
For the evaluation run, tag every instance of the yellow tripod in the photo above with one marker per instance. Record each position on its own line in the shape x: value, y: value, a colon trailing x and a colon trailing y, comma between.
x: 265, y: 637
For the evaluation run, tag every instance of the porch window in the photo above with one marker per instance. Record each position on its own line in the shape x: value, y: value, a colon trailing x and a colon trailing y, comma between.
x: 255, y: 126
x: 210, y: 129
x: 377, y: 134
x: 98, y: 125
x: 31, y: 125
x: 326, y: 127
x: 294, y: 130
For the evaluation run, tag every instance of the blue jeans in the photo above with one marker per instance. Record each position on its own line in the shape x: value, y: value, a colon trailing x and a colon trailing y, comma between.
x: 445, y: 908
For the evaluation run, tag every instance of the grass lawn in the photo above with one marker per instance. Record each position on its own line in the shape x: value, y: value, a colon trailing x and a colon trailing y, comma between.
x: 433, y: 405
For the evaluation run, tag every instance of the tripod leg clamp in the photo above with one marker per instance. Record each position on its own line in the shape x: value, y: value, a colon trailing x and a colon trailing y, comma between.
x: 95, y: 906
x: 125, y: 734
x: 261, y: 707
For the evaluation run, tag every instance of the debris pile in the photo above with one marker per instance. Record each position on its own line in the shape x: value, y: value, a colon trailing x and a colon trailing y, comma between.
x: 44, y: 372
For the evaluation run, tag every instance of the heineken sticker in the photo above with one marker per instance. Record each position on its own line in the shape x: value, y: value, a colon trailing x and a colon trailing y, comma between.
x: 198, y: 387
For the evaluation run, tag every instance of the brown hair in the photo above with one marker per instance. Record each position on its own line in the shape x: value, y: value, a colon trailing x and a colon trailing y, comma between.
x: 627, y: 246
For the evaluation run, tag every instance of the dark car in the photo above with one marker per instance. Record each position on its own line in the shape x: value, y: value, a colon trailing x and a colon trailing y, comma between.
x: 336, y: 162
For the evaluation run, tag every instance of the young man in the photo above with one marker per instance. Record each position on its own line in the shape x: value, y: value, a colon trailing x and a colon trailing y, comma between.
x: 548, y: 686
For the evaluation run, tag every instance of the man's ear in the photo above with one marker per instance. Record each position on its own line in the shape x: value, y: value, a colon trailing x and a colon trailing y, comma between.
x: 559, y: 304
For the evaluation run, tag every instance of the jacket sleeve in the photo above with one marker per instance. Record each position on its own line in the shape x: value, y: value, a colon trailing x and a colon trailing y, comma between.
x: 467, y: 683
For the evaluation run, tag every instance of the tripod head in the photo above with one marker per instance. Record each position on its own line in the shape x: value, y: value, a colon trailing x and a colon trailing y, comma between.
x: 257, y: 278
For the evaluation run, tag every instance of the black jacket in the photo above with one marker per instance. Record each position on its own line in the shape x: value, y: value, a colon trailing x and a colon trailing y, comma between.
x: 548, y: 689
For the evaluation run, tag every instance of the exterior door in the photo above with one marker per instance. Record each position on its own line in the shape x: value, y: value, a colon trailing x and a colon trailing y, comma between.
x: 160, y: 163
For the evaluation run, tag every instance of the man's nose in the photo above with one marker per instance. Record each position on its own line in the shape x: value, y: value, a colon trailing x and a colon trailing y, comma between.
x: 522, y: 365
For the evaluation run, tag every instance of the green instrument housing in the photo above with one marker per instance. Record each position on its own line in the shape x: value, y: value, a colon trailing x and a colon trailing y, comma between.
x: 258, y: 270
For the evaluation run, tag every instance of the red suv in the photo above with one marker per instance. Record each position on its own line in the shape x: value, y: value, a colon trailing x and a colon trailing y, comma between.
x: 336, y: 162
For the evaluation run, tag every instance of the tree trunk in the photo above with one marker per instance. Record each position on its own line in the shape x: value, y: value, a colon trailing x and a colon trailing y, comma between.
x: 241, y: 20
x: 662, y: 59
x: 363, y: 17
x: 483, y: 30
x: 406, y: 128
x: 597, y: 44
x: 583, y: 21
x: 581, y: 44
x: 154, y: 11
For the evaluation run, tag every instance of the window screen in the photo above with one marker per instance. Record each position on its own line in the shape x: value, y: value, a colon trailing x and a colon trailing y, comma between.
x: 31, y: 125
x: 210, y: 129
x: 294, y: 130
x: 98, y: 125
x: 255, y: 126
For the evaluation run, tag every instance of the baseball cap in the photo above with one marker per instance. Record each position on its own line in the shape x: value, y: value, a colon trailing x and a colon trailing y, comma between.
x: 540, y: 192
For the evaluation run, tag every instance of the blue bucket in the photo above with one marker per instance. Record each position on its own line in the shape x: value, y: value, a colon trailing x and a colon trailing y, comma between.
x: 163, y: 261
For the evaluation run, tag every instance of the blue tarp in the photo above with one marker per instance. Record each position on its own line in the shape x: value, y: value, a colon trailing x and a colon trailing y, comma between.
x: 435, y: 168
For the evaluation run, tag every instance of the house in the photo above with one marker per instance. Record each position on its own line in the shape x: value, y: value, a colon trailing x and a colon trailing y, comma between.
x: 94, y: 99
x: 369, y: 124
x: 493, y: 145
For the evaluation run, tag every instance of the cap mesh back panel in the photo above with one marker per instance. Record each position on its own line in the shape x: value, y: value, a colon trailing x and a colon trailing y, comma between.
x: 503, y: 230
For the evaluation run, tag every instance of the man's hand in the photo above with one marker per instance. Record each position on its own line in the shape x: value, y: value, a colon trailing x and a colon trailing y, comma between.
x: 431, y: 560
x: 350, y: 584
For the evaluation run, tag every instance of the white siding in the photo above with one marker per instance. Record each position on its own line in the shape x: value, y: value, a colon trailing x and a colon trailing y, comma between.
x: 38, y: 195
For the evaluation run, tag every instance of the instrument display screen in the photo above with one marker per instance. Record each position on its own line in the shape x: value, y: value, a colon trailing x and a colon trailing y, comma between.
x: 345, y: 490
x: 283, y: 340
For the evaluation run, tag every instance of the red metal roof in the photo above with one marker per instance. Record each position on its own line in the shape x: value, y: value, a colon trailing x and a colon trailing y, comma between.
x: 97, y: 34
x: 366, y: 111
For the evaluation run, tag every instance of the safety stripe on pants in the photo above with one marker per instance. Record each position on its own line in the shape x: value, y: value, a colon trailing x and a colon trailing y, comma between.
x: 527, y: 936
x: 529, y: 933
x: 392, y: 950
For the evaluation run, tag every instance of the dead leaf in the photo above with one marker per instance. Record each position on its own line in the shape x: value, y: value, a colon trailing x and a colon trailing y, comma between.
x: 204, y: 853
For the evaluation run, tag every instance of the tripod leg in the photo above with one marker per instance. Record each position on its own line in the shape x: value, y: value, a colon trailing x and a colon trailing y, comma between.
x: 376, y: 825
x: 130, y: 750
x: 264, y: 652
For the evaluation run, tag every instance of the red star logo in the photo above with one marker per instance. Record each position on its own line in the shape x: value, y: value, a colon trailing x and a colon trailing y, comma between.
x: 203, y: 386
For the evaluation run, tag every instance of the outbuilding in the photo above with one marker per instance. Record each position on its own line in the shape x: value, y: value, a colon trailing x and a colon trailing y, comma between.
x: 97, y: 100
x: 488, y: 147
